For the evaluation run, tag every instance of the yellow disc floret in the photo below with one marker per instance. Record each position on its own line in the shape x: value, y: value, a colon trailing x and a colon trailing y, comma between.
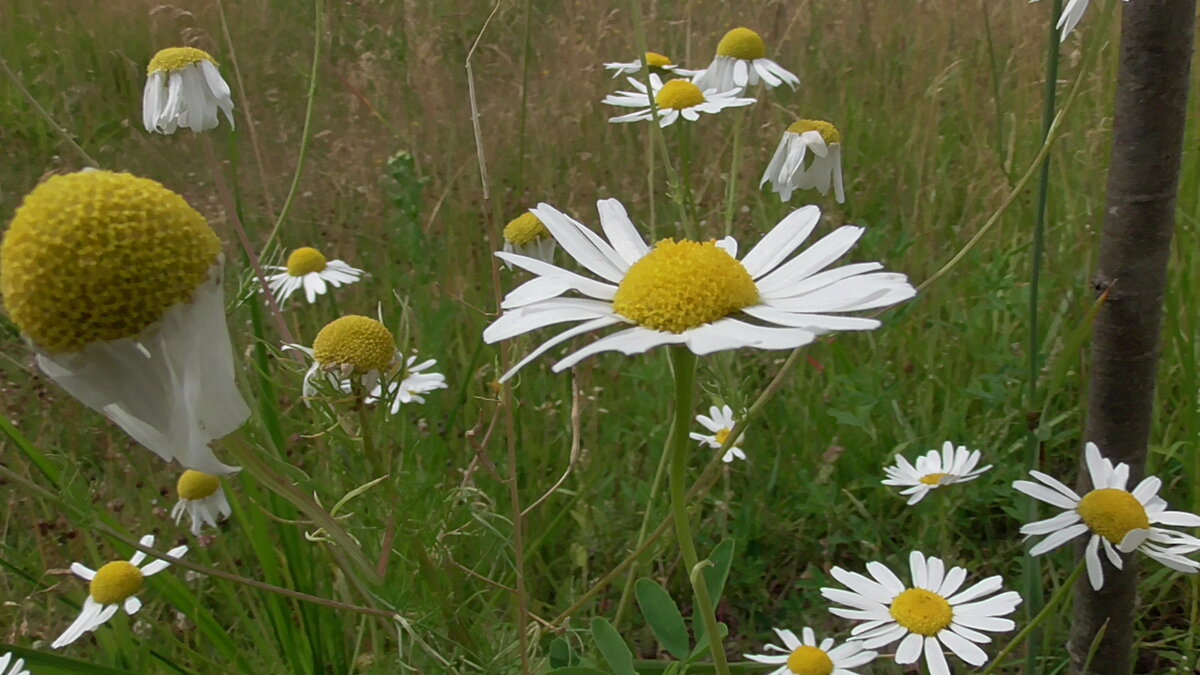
x: 721, y: 436
x: 828, y: 132
x: 115, y: 581
x: 357, y: 341
x: 922, y: 612
x: 656, y: 60
x: 1112, y: 513
x: 195, y: 485
x: 177, y: 58
x: 807, y: 660
x: 933, y: 478
x: 305, y: 260
x: 97, y: 256
x: 742, y: 43
x: 524, y: 229
x: 679, y: 94
x: 678, y: 286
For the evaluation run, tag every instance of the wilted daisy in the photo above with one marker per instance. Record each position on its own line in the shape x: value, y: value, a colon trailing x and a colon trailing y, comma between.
x: 720, y: 422
x: 818, y: 142
x: 526, y: 235
x: 201, y: 497
x: 308, y: 268
x: 808, y: 657
x: 10, y: 667
x: 658, y: 64
x: 697, y: 294
x: 114, y: 585
x: 1116, y: 519
x: 930, y: 614
x: 675, y: 99
x: 934, y: 470
x: 184, y: 89
x: 116, y: 283
x: 740, y: 62
x: 1072, y: 14
x: 353, y: 352
x: 406, y: 385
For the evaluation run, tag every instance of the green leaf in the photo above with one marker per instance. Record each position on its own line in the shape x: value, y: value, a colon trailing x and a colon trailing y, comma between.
x: 577, y: 670
x: 612, y: 647
x: 715, y: 576
x: 53, y: 664
x: 663, y: 616
x: 560, y: 653
x: 702, y: 640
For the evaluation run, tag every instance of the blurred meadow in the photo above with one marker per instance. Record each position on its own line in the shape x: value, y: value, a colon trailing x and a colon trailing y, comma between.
x: 940, y: 108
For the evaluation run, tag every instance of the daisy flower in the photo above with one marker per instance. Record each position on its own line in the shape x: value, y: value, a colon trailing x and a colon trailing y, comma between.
x: 201, y: 497
x: 807, y: 657
x: 184, y: 89
x: 1115, y: 519
x: 934, y: 470
x: 820, y: 143
x: 526, y: 235
x: 1072, y: 14
x: 931, y: 614
x: 740, y: 63
x: 10, y: 667
x: 307, y: 268
x: 719, y: 421
x: 658, y: 64
x: 698, y: 294
x: 351, y: 352
x: 117, y: 285
x: 114, y: 585
x: 406, y: 386
x: 675, y: 99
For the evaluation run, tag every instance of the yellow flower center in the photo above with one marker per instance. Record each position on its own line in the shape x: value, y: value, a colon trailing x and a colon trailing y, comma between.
x: 97, y: 256
x: 679, y: 94
x: 115, y: 581
x: 828, y: 132
x: 922, y: 612
x: 524, y: 229
x: 809, y: 661
x: 682, y: 285
x: 656, y: 60
x: 1112, y: 513
x: 305, y: 260
x: 357, y: 341
x: 933, y: 478
x: 721, y: 435
x: 195, y: 485
x: 742, y: 43
x: 177, y: 58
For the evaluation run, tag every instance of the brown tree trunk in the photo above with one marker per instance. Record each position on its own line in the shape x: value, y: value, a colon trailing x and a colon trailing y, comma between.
x: 1143, y: 181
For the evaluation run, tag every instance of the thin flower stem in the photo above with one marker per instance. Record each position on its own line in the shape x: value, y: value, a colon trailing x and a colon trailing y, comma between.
x: 690, y: 224
x: 731, y: 184
x: 1039, y: 619
x: 37, y: 107
x: 655, y: 486
x: 683, y: 362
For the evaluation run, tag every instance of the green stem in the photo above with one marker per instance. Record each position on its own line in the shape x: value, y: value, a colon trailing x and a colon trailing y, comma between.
x: 684, y: 365
x: 690, y: 225
x: 731, y: 184
x: 627, y: 591
x: 364, y: 429
x: 1037, y: 621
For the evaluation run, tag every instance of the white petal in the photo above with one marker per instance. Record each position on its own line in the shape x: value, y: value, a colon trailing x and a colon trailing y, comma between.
x: 620, y: 231
x: 781, y: 241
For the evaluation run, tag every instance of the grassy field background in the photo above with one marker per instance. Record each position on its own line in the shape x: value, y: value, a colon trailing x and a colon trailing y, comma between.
x: 939, y: 104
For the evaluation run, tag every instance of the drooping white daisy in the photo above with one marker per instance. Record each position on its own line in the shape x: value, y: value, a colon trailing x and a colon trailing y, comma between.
x: 114, y: 585
x: 658, y: 63
x: 526, y: 235
x: 10, y: 667
x: 934, y: 470
x: 201, y: 497
x: 184, y: 89
x: 117, y: 284
x: 740, y: 63
x: 675, y: 99
x: 1117, y: 520
x: 1072, y: 14
x: 406, y: 385
x: 697, y: 294
x: 308, y: 268
x: 720, y: 422
x: 930, y: 614
x: 821, y: 144
x: 808, y: 657
x: 353, y: 352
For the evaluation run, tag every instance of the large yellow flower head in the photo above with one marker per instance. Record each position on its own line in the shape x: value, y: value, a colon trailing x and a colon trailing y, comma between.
x: 97, y: 256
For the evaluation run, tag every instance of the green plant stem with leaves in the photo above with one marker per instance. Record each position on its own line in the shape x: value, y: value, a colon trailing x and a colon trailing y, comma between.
x: 1038, y: 620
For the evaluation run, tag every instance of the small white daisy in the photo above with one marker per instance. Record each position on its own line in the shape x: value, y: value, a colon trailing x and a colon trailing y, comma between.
x: 740, y: 63
x: 10, y: 667
x: 1116, y: 519
x: 114, y: 585
x: 819, y: 142
x: 930, y: 615
x: 1072, y: 14
x: 407, y: 385
x: 675, y: 99
x: 697, y: 294
x: 807, y: 657
x: 720, y: 421
x: 184, y: 89
x: 934, y: 470
x: 526, y: 235
x: 658, y: 64
x: 308, y: 268
x: 201, y: 497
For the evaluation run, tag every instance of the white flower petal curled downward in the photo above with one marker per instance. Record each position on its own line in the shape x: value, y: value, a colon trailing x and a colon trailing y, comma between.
x: 184, y: 89
x: 720, y: 422
x: 1114, y: 518
x: 740, y: 63
x: 675, y: 99
x: 769, y: 299
x: 801, y: 656
x: 307, y: 268
x: 808, y: 157
x: 934, y: 470
x: 1071, y: 16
